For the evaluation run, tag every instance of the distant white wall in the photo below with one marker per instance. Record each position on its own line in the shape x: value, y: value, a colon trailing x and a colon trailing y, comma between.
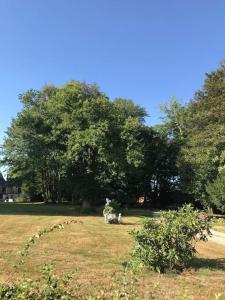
x: 9, y: 196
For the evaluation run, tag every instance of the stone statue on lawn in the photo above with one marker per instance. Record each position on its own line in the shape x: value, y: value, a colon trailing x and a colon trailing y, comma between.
x: 110, y: 212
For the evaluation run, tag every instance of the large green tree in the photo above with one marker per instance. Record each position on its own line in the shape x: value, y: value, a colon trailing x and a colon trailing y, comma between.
x: 30, y: 149
x: 199, y: 127
x: 73, y: 142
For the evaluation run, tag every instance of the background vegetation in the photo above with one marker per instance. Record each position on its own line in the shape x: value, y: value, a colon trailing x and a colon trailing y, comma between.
x: 74, y: 144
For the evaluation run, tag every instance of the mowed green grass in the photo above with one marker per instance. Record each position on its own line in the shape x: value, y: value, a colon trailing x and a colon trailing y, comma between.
x: 220, y: 228
x: 95, y: 252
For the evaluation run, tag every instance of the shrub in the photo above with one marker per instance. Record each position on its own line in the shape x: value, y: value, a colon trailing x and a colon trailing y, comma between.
x: 167, y: 243
x: 47, y: 287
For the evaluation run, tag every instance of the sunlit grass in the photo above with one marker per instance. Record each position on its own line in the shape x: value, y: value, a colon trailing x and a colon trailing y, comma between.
x: 95, y: 251
x: 220, y: 228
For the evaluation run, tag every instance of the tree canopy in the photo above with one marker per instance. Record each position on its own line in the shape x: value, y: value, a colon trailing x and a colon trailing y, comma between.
x: 200, y: 128
x: 74, y: 143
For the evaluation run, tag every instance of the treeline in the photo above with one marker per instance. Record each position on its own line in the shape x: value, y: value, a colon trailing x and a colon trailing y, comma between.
x: 199, y: 128
x: 73, y: 143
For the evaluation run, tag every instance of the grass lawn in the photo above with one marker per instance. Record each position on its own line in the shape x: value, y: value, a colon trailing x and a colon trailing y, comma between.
x: 220, y: 228
x: 96, y: 252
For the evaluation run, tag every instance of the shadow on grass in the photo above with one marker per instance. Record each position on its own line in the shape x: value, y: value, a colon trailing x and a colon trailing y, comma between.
x: 208, y: 263
x: 141, y: 213
x: 43, y: 209
x: 128, y: 223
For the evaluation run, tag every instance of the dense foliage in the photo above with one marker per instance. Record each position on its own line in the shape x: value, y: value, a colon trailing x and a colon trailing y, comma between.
x: 199, y: 130
x: 167, y: 243
x: 216, y: 192
x: 73, y: 143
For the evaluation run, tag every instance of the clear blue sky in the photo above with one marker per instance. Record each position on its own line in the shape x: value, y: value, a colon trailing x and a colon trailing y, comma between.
x: 145, y: 50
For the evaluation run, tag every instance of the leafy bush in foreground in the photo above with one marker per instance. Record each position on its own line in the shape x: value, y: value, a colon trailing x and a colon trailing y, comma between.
x: 167, y: 243
x: 48, y: 287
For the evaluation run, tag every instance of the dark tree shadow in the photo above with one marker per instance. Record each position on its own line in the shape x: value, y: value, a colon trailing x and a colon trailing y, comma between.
x: 62, y: 209
x: 42, y: 209
x: 209, y: 263
x: 129, y: 223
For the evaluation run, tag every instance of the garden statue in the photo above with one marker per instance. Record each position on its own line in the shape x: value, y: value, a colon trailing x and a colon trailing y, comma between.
x: 108, y: 201
x: 110, y: 212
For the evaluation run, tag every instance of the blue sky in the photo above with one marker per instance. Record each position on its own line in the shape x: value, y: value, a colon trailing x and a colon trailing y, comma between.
x: 144, y: 50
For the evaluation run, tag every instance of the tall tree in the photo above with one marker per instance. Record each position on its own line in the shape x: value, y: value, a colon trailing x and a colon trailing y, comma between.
x: 75, y: 137
x: 200, y: 127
